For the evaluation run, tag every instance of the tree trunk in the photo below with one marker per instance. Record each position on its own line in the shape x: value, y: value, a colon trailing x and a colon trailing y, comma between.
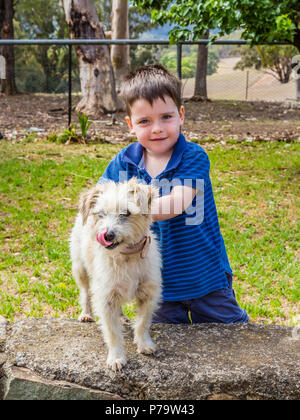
x: 120, y: 30
x: 298, y: 89
x: 296, y: 43
x: 8, y: 85
x: 96, y: 73
x: 200, y: 92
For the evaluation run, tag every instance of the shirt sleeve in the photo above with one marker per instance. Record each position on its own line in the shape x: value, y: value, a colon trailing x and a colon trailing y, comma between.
x: 193, y: 170
x: 115, y: 171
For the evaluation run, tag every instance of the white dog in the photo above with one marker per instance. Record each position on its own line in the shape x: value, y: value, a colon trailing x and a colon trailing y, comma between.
x: 115, y: 258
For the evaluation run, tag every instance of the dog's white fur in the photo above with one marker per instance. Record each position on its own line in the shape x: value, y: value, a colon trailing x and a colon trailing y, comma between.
x: 107, y: 278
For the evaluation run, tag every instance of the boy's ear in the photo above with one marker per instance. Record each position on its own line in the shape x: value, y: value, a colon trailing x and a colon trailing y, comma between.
x: 181, y: 114
x: 129, y: 122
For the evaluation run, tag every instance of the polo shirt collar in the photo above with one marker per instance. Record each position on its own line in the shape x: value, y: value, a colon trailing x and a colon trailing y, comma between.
x: 134, y: 154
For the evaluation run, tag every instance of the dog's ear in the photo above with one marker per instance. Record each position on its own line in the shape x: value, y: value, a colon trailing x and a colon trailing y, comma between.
x: 143, y: 195
x: 88, y: 200
x: 153, y: 194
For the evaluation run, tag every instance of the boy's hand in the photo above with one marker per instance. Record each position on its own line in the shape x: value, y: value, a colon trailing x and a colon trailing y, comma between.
x: 172, y: 205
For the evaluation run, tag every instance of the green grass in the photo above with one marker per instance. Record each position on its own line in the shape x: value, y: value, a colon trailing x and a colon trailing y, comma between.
x: 256, y: 189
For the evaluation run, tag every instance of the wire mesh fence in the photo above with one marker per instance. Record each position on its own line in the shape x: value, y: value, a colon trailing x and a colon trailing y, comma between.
x: 49, y: 69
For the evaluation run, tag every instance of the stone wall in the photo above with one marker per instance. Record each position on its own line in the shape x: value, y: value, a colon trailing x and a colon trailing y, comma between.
x: 49, y: 358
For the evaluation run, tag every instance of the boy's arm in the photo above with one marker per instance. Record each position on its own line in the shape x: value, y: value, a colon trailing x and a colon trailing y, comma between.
x: 172, y: 205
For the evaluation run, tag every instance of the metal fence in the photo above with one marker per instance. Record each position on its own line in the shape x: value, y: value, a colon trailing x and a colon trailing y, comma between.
x: 223, y: 81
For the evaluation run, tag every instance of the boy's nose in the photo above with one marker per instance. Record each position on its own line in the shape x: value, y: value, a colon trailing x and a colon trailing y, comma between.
x: 156, y: 128
x: 157, y: 131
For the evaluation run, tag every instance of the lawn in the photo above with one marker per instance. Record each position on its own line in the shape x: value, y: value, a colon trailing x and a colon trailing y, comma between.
x: 256, y: 187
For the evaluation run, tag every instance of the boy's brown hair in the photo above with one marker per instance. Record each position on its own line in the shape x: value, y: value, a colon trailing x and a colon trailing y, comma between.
x: 150, y: 82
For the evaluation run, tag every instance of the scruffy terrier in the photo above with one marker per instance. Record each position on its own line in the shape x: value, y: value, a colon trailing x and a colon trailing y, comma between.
x: 115, y: 258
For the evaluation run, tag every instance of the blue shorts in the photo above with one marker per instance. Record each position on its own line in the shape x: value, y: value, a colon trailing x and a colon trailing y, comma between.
x: 220, y: 306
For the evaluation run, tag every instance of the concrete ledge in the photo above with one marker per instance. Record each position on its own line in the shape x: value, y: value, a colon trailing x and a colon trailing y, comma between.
x: 3, y: 357
x: 25, y: 385
x: 64, y: 359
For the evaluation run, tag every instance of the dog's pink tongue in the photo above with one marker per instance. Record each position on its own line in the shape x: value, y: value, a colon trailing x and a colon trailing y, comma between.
x: 101, y: 238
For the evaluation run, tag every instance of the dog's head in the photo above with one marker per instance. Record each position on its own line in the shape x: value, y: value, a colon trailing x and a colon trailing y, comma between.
x: 119, y: 213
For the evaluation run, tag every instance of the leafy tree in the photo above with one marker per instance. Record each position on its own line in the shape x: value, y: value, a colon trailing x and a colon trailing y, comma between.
x: 261, y: 21
x: 276, y: 60
x: 36, y: 19
x: 141, y: 55
x: 189, y: 61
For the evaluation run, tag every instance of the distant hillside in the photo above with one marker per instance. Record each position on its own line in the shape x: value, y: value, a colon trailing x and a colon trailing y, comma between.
x: 161, y: 33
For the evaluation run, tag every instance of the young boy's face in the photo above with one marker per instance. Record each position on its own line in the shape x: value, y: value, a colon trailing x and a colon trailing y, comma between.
x: 156, y: 126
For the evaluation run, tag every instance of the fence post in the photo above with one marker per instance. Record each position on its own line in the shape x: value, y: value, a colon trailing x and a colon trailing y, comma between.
x: 179, y: 59
x: 247, y: 84
x: 70, y: 86
x: 2, y: 68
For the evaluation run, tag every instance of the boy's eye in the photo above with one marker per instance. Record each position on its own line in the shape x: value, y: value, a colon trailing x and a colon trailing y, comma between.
x: 167, y: 117
x: 144, y: 122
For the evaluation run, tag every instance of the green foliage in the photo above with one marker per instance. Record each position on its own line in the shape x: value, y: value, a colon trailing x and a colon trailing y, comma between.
x: 84, y: 123
x: 52, y: 137
x: 249, y: 58
x: 41, y: 68
x: 261, y: 20
x: 277, y: 59
x: 68, y: 135
x: 189, y: 61
x: 141, y: 55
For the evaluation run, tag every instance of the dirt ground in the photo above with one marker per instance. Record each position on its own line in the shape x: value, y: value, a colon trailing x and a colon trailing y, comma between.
x: 218, y: 120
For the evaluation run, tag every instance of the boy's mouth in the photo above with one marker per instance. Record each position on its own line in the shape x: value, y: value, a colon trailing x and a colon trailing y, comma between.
x: 159, y: 139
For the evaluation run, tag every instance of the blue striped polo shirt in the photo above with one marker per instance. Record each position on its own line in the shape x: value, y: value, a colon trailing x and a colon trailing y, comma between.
x: 194, y: 257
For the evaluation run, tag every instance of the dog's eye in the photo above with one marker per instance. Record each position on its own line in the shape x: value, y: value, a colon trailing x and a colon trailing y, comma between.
x: 100, y: 214
x: 124, y: 215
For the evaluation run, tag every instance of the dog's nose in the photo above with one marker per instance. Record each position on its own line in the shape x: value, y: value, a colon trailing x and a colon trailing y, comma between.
x: 109, y: 236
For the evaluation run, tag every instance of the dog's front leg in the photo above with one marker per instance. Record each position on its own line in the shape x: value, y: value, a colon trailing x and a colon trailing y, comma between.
x: 147, y: 298
x: 112, y: 332
x: 82, y: 280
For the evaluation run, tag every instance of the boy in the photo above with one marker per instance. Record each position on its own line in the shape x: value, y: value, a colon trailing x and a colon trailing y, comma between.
x: 197, y: 278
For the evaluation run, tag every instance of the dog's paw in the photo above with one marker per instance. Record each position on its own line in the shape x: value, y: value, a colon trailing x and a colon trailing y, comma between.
x: 116, y: 364
x: 146, y: 347
x: 85, y: 318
